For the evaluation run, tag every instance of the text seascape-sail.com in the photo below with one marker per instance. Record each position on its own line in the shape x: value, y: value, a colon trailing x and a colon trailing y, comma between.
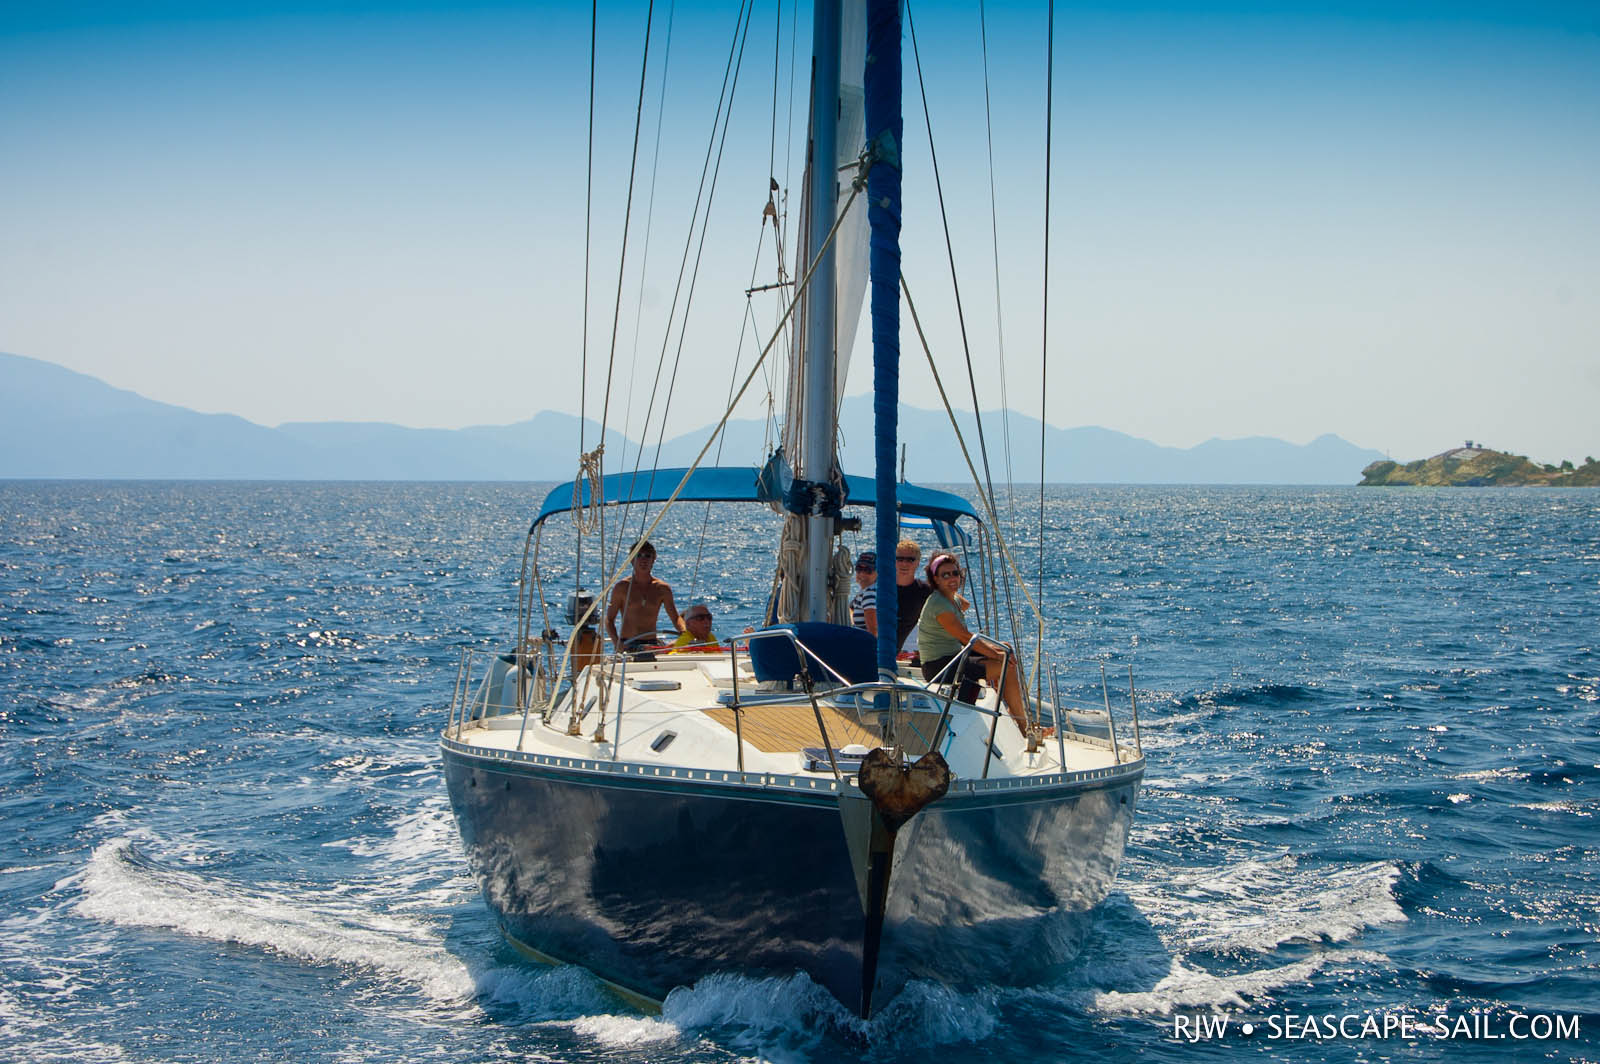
x: 1474, y: 1025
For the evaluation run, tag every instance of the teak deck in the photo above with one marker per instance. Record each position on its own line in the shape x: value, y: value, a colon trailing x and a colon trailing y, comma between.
x: 793, y: 727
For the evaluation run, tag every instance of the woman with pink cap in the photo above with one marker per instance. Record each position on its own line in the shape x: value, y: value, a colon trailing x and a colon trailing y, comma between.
x: 942, y: 635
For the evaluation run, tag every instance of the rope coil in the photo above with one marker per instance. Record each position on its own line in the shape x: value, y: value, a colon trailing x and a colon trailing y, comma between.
x: 586, y: 516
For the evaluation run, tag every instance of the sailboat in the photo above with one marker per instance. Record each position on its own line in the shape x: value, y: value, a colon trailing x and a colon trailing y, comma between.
x: 798, y: 800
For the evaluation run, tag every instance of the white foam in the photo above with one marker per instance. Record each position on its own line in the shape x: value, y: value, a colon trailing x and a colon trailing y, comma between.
x: 423, y: 846
x: 539, y: 992
x: 26, y: 1035
x: 779, y: 1019
x: 120, y: 887
x: 1504, y: 772
x: 927, y: 1014
x: 1188, y: 988
x: 620, y: 1032
x: 782, y: 1016
x: 1158, y: 723
x: 1557, y: 807
x: 1259, y: 905
x: 426, y: 833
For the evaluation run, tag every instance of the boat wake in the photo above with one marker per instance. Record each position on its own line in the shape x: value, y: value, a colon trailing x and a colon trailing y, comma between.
x: 122, y: 886
x: 27, y: 1034
x: 793, y: 1018
x: 1255, y: 906
x: 1198, y: 939
x: 1184, y: 988
x: 1226, y: 937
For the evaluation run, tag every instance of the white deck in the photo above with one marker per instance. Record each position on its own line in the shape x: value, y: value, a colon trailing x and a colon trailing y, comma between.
x: 678, y: 696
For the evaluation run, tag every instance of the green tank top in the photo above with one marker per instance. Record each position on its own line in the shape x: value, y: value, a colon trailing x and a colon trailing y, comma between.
x: 932, y: 640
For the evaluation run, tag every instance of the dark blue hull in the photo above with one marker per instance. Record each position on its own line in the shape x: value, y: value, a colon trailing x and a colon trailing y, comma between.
x: 653, y: 883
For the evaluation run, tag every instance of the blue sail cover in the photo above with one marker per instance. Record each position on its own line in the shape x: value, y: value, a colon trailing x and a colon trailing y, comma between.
x: 741, y: 484
x: 885, y: 134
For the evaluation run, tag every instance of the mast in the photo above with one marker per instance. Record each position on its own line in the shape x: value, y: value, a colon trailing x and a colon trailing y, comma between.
x: 816, y: 458
x: 885, y: 131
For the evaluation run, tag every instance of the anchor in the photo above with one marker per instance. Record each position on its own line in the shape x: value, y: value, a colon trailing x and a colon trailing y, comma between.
x: 900, y: 791
x: 889, y: 794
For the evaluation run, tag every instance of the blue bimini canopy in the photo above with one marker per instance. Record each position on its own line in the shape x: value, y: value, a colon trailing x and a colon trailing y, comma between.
x: 739, y: 484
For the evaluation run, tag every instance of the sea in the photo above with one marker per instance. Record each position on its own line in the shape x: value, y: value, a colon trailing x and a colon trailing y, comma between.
x: 1368, y: 829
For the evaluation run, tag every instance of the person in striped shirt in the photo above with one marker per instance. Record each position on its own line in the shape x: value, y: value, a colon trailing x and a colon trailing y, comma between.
x: 864, y: 606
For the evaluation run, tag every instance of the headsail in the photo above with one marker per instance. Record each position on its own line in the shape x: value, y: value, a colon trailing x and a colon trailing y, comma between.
x: 850, y: 281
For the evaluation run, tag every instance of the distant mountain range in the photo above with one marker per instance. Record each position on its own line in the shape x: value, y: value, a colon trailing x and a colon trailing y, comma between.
x: 55, y: 422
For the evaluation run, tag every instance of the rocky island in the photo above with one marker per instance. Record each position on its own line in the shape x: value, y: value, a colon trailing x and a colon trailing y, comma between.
x: 1476, y: 466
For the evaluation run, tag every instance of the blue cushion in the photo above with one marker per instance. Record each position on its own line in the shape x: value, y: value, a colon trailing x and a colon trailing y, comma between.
x: 850, y: 652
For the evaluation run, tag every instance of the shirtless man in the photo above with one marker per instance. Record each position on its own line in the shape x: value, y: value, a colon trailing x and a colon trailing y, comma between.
x: 639, y: 599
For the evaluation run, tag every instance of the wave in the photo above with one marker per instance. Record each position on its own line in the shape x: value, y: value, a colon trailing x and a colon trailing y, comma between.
x: 792, y: 1018
x: 1188, y: 708
x: 122, y: 886
x: 1188, y: 988
x: 27, y: 1035
x: 1257, y: 906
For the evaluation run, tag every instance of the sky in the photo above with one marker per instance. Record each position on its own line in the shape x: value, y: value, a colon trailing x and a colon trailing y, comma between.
x: 1379, y: 220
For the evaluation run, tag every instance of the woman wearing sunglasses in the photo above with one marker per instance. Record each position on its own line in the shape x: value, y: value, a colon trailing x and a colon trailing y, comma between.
x: 942, y: 634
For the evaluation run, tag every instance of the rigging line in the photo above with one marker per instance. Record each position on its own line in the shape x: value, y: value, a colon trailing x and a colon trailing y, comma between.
x: 944, y: 218
x: 694, y: 277
x: 705, y: 228
x: 775, y: 192
x: 649, y: 223
x: 694, y: 219
x: 961, y: 318
x: 788, y: 150
x: 783, y: 280
x: 777, y: 68
x: 588, y: 222
x: 622, y: 258
x: 1044, y: 335
x: 733, y: 378
x: 773, y: 195
x: 772, y: 183
x: 627, y: 217
x: 966, y: 454
x: 787, y: 356
x: 716, y: 431
x: 994, y: 240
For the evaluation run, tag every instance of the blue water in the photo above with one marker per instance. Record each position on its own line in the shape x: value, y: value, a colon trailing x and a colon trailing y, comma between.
x: 1371, y: 719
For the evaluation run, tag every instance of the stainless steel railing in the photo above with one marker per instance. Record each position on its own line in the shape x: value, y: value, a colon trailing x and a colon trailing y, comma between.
x: 479, y: 692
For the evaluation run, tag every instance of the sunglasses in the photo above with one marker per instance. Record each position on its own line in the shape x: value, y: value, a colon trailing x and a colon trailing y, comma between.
x: 950, y: 571
x: 865, y: 569
x: 910, y: 559
x: 697, y: 616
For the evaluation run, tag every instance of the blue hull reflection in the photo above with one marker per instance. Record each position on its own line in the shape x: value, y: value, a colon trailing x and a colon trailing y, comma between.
x: 653, y: 883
